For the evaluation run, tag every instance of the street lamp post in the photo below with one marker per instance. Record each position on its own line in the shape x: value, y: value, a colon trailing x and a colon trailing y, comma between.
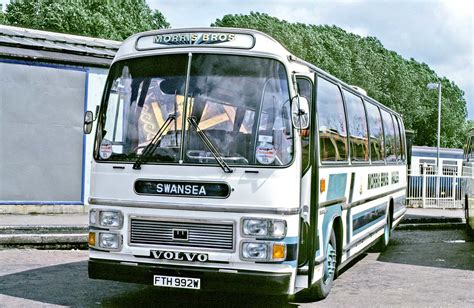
x: 433, y: 86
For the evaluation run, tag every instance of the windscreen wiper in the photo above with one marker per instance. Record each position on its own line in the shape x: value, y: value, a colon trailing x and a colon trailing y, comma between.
x: 205, y: 139
x: 151, y: 147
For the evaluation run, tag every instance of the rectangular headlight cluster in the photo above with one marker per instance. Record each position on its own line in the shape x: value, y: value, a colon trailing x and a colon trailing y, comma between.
x: 263, y: 249
x: 106, y: 219
x: 264, y: 228
x: 104, y: 239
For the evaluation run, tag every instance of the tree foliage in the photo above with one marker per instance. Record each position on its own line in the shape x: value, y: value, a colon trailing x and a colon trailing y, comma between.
x: 363, y: 61
x: 114, y: 20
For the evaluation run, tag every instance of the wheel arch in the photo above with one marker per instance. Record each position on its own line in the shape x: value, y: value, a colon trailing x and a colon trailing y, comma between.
x: 339, y: 232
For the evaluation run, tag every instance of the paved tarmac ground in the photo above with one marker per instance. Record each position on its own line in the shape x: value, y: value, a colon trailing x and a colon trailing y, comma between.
x: 421, y: 268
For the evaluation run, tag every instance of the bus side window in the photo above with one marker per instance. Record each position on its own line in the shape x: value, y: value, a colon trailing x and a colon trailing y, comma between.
x: 398, y: 148
x: 305, y: 87
x: 332, y: 122
x: 389, y: 133
x: 400, y: 139
x: 375, y: 132
x: 359, y: 138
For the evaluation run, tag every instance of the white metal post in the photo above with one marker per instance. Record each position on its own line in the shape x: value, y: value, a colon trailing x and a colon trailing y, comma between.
x: 438, y: 173
x: 423, y: 186
x: 454, y: 186
x: 438, y: 169
x: 439, y: 127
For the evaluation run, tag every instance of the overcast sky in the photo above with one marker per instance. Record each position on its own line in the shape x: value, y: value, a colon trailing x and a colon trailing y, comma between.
x: 437, y: 32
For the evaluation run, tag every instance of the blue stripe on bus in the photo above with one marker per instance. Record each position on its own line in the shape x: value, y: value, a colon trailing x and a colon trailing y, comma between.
x: 290, y: 240
x: 293, y: 263
x: 368, y: 218
x: 332, y: 212
x: 336, y: 186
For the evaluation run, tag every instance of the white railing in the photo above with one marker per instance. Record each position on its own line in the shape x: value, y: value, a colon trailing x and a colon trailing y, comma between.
x: 429, y: 190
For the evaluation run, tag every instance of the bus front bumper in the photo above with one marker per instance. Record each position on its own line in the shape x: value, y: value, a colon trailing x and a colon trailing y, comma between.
x: 211, y: 279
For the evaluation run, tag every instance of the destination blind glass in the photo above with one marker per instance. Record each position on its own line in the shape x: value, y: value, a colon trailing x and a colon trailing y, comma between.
x: 183, y: 189
x: 196, y: 39
x: 240, y: 103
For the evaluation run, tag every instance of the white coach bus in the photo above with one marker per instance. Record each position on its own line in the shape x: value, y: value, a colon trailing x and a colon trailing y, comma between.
x: 223, y: 162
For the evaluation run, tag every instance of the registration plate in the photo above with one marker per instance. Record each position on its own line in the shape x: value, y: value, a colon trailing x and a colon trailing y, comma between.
x: 176, y: 282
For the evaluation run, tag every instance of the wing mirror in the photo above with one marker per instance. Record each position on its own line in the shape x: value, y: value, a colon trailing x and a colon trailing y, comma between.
x: 89, y: 120
x: 300, y: 112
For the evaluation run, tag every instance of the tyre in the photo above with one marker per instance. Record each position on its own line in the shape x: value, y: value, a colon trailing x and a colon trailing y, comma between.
x: 320, y: 289
x: 382, y: 244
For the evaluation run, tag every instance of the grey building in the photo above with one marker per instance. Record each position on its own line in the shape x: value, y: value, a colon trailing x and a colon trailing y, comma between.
x: 47, y: 81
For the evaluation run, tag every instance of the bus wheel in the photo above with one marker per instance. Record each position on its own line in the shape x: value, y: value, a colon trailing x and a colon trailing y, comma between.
x: 387, y: 231
x: 320, y: 290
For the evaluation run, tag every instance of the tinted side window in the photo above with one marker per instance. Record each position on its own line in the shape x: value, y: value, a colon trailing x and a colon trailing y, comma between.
x: 305, y: 90
x: 375, y: 132
x: 404, y: 139
x: 332, y: 122
x: 359, y: 138
x: 399, y: 139
x: 389, y: 132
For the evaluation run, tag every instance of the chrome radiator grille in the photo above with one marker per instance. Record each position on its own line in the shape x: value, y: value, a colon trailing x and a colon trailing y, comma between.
x: 200, y: 234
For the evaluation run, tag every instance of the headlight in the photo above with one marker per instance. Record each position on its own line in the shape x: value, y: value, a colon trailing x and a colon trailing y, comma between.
x: 255, y: 251
x: 110, y: 219
x: 256, y: 227
x: 109, y: 240
x: 264, y: 227
x: 278, y: 228
x: 263, y: 251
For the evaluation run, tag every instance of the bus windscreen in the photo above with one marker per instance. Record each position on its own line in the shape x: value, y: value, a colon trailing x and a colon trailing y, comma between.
x: 240, y: 103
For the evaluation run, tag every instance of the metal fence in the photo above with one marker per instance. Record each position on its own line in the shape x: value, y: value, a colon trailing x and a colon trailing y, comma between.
x: 429, y: 190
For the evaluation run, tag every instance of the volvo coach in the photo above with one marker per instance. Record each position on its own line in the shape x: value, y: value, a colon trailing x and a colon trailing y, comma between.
x: 223, y: 162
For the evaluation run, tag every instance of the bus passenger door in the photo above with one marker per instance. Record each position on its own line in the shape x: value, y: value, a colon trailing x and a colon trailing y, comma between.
x: 309, y: 170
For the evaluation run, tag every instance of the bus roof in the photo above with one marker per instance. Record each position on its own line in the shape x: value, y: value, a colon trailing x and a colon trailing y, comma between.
x: 205, y: 39
x: 166, y: 41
